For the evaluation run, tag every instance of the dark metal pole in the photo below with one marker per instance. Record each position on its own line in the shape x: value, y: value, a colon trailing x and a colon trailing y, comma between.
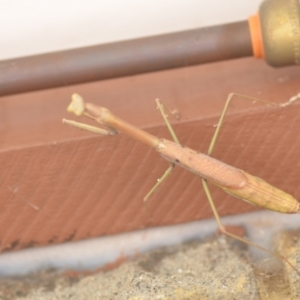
x: 125, y: 58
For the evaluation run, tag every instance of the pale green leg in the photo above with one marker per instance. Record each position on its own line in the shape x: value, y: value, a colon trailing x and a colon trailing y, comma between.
x: 159, y: 182
x: 171, y: 167
x: 208, y: 194
x: 83, y: 126
x: 229, y: 98
x: 243, y: 240
x: 212, y: 145
x: 160, y: 106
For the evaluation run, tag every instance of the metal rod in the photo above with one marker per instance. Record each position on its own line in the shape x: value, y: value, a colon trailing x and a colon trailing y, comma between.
x: 125, y: 58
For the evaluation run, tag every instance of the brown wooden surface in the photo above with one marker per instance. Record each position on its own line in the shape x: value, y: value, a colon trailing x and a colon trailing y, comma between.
x: 83, y: 185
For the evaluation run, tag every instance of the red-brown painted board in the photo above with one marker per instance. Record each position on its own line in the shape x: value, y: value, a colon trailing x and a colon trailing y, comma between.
x: 59, y: 184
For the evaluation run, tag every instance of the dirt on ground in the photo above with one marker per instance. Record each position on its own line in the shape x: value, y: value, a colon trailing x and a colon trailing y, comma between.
x: 218, y: 268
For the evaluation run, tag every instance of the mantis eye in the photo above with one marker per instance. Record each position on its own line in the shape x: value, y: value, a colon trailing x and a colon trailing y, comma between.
x: 77, y: 105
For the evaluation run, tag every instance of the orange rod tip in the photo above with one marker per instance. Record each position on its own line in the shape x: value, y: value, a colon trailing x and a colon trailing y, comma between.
x: 256, y: 36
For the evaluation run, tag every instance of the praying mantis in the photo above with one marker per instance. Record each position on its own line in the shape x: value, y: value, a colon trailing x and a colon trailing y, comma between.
x: 230, y: 179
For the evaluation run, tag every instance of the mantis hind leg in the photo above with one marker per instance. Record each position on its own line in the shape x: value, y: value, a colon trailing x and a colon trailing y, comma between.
x: 229, y: 99
x: 221, y: 120
x: 207, y: 191
x: 211, y: 148
x: 236, y: 237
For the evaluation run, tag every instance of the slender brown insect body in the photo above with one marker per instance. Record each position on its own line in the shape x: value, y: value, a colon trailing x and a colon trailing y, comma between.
x: 202, y: 165
x: 232, y: 180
